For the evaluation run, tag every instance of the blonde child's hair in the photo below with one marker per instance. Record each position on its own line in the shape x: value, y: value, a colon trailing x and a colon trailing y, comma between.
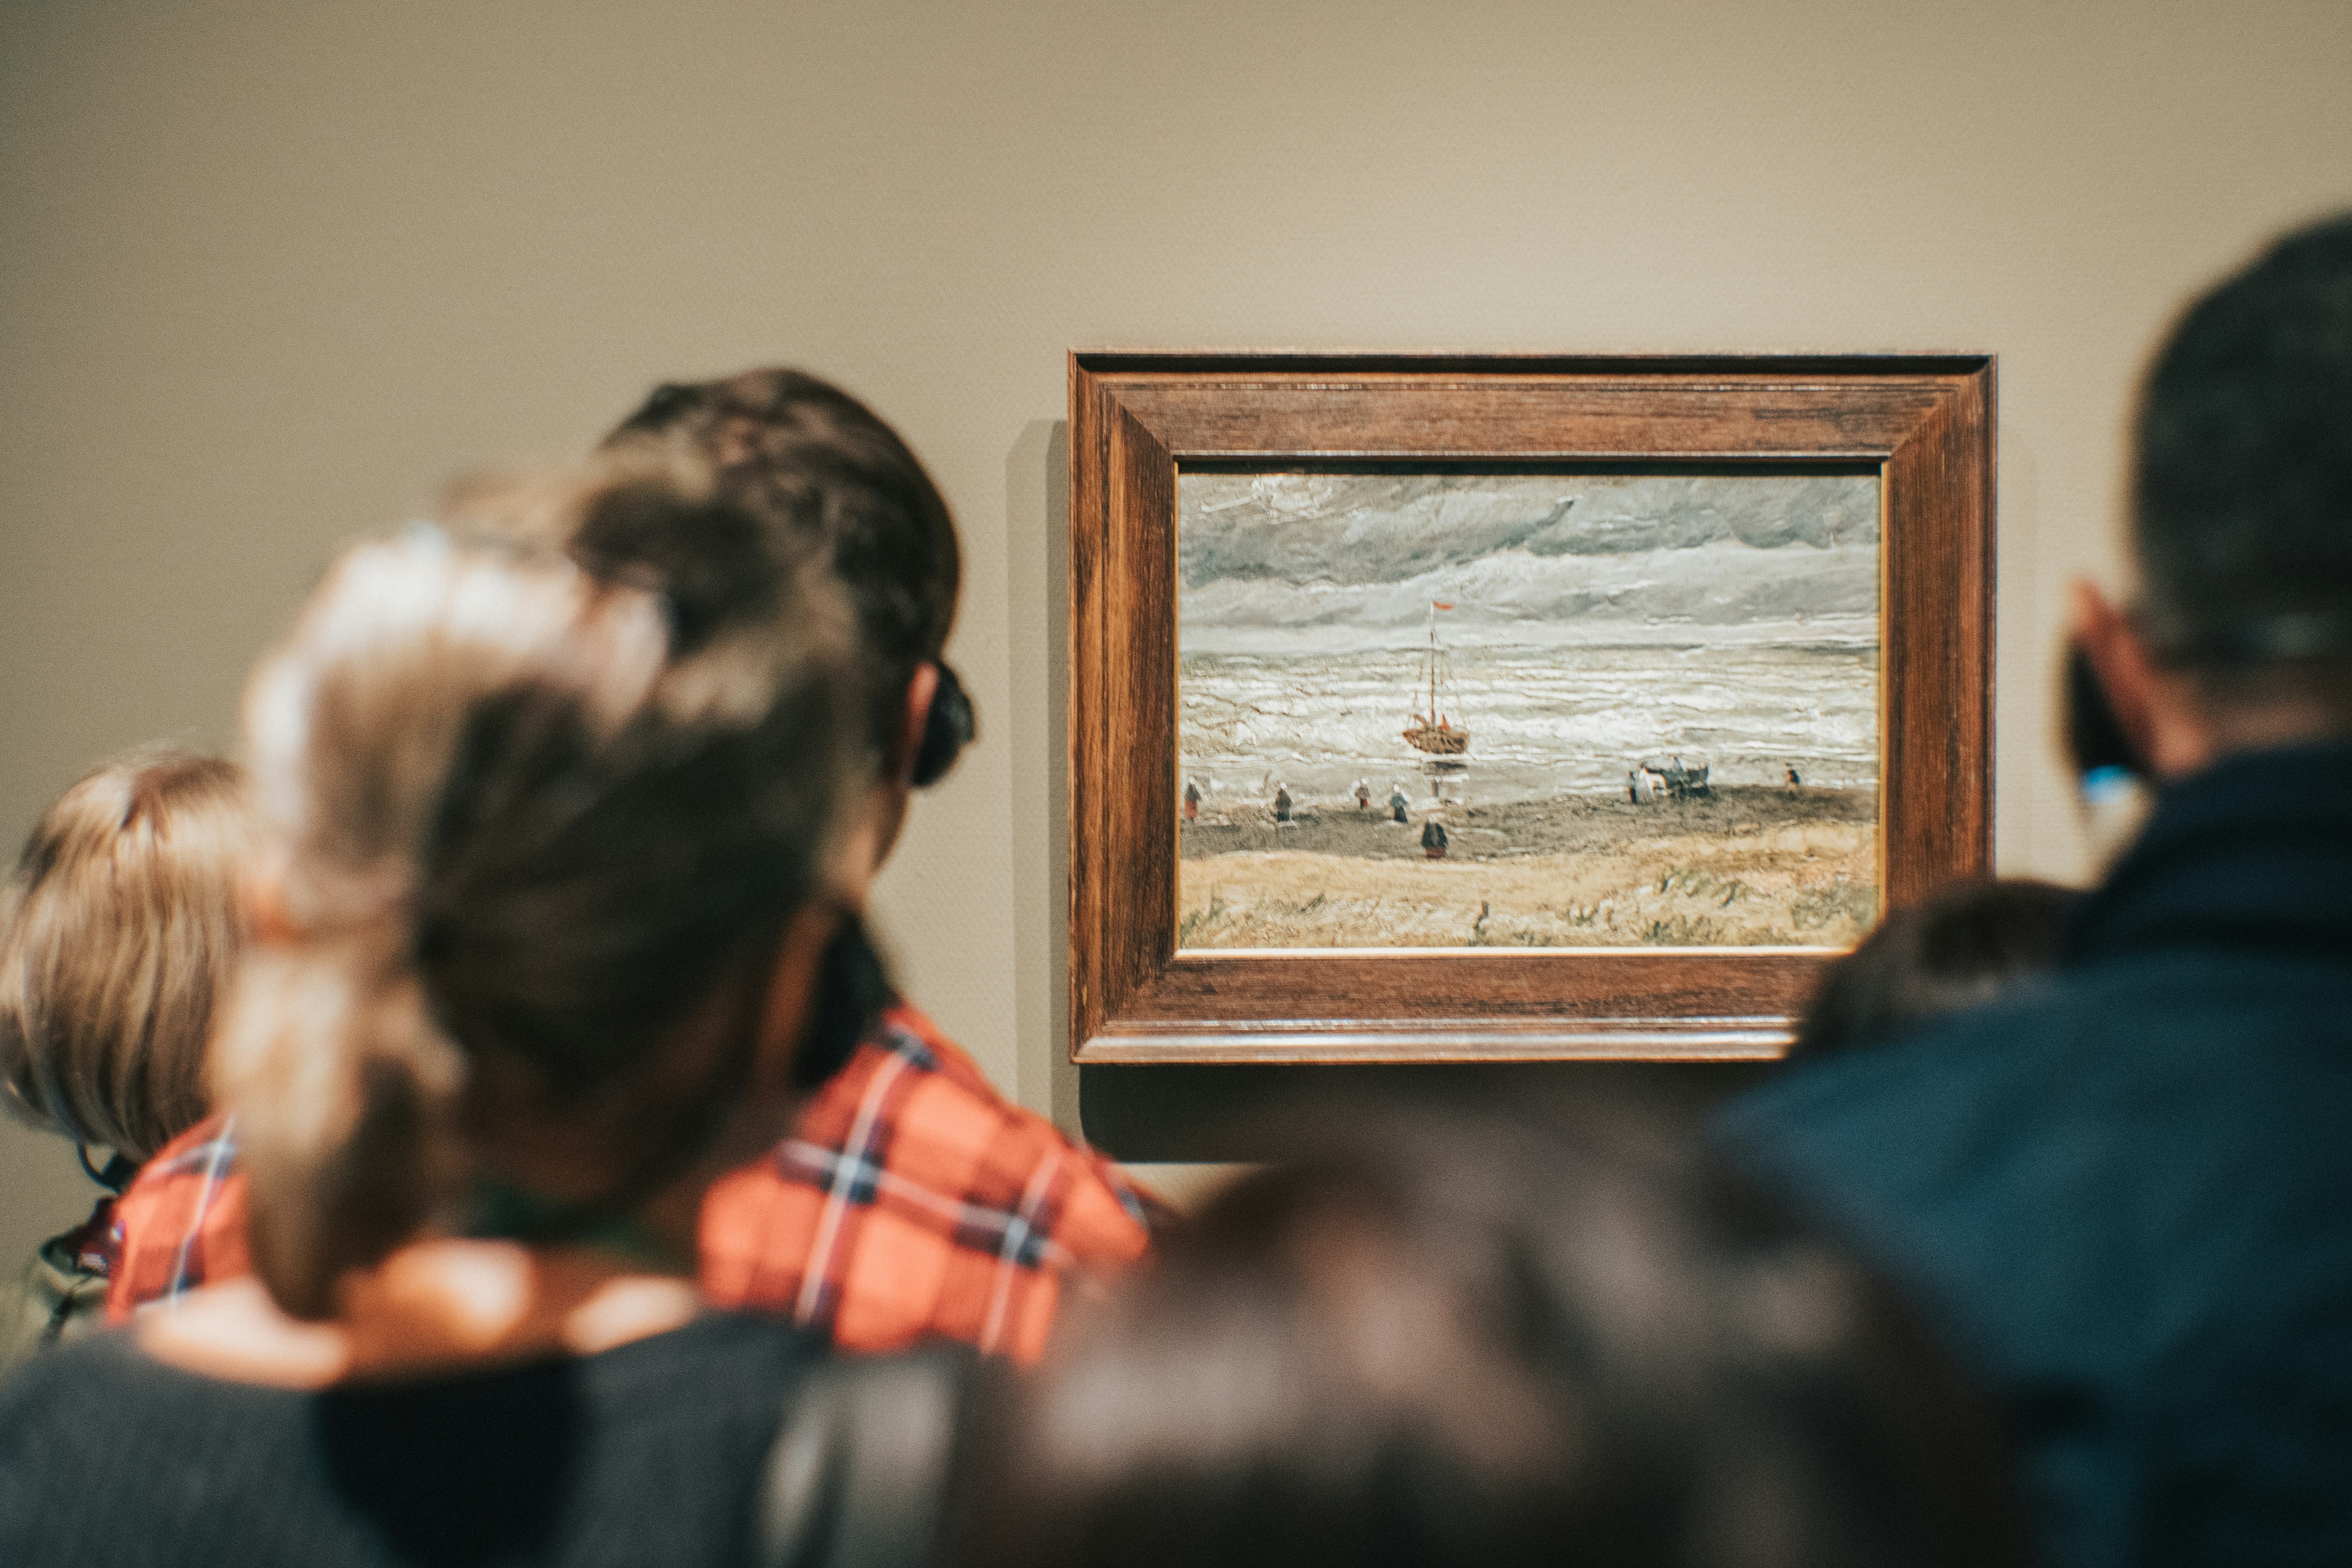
x: 119, y: 932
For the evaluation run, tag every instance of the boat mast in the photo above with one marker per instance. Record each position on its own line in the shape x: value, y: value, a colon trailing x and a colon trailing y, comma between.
x: 1432, y: 720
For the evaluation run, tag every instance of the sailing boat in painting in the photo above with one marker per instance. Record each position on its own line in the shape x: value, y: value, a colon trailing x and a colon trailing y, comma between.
x: 1433, y: 730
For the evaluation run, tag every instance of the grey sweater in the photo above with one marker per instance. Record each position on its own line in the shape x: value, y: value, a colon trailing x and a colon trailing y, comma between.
x: 645, y: 1453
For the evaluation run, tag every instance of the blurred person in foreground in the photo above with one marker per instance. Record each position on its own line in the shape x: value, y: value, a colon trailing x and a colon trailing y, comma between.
x: 910, y: 1200
x: 550, y: 866
x: 1469, y: 1340
x: 2128, y: 1194
x: 1960, y: 949
x: 118, y: 931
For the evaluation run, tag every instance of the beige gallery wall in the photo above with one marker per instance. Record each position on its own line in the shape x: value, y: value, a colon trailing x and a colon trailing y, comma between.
x: 269, y: 274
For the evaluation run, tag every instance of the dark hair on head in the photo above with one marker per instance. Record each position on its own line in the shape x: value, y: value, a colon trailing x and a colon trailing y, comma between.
x: 2243, y: 493
x: 1959, y: 949
x: 1463, y: 1340
x: 531, y: 818
x: 829, y: 481
x: 706, y: 562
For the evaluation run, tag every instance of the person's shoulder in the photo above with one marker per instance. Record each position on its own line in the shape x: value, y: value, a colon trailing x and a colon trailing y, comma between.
x: 61, y: 1297
x: 739, y: 1357
x: 907, y: 1033
x: 1966, y: 1055
x: 1103, y: 1217
x: 50, y: 1405
x: 106, y: 1358
x: 91, y: 1403
x: 2049, y: 1046
x: 1873, y: 1138
x: 2129, y: 1093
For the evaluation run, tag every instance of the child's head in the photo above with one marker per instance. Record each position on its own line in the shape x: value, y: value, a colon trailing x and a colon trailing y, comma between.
x: 118, y: 933
x: 1959, y: 949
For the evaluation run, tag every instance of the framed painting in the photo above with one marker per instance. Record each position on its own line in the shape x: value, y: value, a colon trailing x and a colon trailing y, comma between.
x: 1441, y: 707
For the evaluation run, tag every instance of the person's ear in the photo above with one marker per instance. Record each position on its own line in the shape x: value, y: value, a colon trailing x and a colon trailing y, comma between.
x: 917, y: 718
x: 870, y: 843
x: 791, y: 996
x: 2154, y: 706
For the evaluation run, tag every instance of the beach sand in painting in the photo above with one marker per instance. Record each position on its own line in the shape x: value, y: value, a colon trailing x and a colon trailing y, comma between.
x: 1753, y: 866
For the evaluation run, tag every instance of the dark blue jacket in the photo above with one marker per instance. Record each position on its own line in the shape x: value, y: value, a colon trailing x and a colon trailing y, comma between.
x: 2127, y: 1193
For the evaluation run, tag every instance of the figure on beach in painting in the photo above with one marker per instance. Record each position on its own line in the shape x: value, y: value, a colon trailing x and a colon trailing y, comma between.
x: 1192, y: 800
x: 1523, y: 647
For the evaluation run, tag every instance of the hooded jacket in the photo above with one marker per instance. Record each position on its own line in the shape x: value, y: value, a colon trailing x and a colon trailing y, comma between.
x: 2126, y: 1192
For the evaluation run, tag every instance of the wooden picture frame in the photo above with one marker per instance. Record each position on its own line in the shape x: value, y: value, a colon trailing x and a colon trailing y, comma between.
x: 1925, y: 425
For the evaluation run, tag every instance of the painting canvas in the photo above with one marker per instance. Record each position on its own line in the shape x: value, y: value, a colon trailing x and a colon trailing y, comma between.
x: 1546, y: 709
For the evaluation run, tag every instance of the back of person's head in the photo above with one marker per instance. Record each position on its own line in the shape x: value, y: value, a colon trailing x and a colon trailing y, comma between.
x: 1958, y: 950
x: 2243, y: 493
x: 831, y: 482
x: 118, y: 932
x: 1463, y: 1340
x: 526, y: 820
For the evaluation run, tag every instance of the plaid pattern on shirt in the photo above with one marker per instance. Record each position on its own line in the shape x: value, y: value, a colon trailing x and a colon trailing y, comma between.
x: 911, y: 1201
x: 181, y: 1223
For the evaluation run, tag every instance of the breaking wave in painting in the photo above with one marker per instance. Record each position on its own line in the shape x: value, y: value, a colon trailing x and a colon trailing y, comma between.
x: 1544, y: 720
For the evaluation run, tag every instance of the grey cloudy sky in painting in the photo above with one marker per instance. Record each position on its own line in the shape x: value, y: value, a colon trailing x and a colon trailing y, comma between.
x: 1556, y: 552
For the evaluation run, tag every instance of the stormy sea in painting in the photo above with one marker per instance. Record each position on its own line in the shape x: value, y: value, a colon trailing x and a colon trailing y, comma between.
x: 1547, y: 720
x: 1641, y: 709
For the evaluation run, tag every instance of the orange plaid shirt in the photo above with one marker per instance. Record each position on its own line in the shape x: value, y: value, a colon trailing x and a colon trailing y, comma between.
x: 911, y: 1201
